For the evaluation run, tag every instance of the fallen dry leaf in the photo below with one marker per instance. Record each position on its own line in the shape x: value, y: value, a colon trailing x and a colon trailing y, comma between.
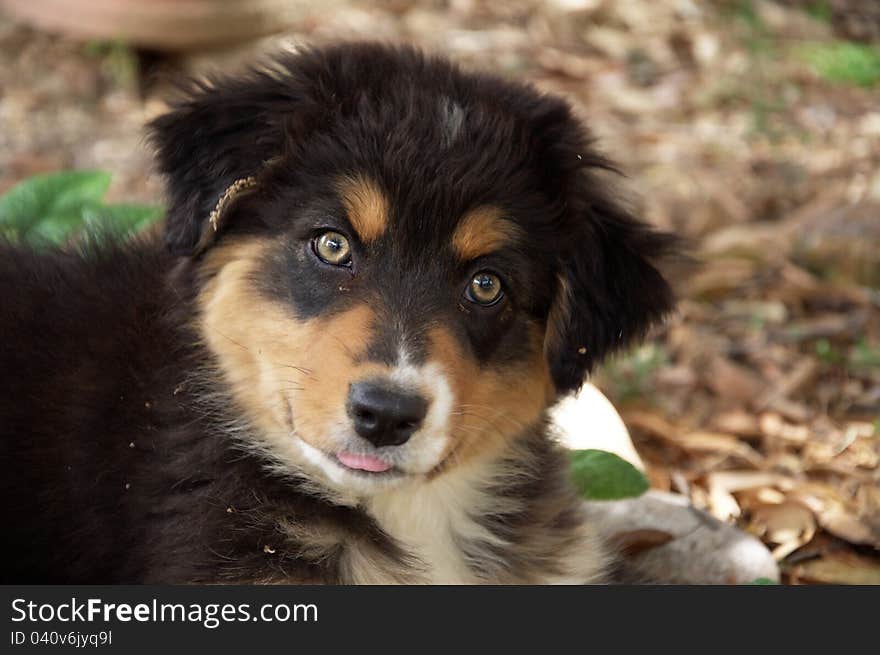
x: 847, y: 526
x: 789, y: 525
x: 839, y: 568
x: 732, y: 381
x: 737, y: 422
x: 835, y: 514
x: 773, y: 427
x: 751, y: 498
x: 722, y: 504
x: 720, y: 277
x: 788, y: 409
x: 802, y: 374
x: 718, y: 443
x: 739, y: 480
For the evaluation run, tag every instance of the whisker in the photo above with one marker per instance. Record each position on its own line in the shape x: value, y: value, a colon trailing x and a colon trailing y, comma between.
x: 231, y: 340
x: 345, y: 347
x: 299, y: 369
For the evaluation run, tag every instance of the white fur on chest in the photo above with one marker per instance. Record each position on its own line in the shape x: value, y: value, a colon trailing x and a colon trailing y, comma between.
x: 433, y: 521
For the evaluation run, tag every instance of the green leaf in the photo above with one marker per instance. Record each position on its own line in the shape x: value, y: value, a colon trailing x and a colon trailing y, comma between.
x: 121, y: 218
x: 55, y: 201
x: 763, y: 581
x: 55, y: 228
x: 58, y: 207
x: 845, y: 62
x: 600, y: 475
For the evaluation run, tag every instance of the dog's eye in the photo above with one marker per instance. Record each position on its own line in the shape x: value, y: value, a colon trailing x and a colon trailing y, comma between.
x: 484, y: 289
x: 332, y: 248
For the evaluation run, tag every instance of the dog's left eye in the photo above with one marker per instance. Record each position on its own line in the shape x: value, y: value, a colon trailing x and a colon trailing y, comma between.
x: 484, y: 289
x: 332, y: 248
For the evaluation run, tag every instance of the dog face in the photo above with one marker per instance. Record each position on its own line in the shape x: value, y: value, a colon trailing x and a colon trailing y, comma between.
x: 408, y: 265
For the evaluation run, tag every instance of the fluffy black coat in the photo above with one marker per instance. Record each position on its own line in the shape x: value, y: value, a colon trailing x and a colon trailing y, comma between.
x: 115, y: 435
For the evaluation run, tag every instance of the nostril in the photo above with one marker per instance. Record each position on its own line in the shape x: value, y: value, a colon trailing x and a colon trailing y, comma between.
x: 365, y: 417
x: 383, y: 414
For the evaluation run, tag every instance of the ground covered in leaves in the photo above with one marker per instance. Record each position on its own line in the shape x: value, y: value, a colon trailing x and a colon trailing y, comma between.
x: 750, y: 127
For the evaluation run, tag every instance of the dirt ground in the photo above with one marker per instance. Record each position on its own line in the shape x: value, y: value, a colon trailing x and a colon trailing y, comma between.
x: 750, y: 127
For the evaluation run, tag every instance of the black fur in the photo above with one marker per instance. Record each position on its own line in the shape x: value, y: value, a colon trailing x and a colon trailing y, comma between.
x: 116, y: 469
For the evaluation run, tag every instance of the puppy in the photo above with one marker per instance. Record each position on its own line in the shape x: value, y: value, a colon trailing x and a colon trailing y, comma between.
x: 378, y: 272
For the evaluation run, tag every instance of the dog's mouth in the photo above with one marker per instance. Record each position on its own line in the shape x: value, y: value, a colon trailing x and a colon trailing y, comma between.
x: 345, y: 460
x: 364, y: 463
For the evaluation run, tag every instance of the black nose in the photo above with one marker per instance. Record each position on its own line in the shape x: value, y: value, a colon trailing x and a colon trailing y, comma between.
x: 382, y: 415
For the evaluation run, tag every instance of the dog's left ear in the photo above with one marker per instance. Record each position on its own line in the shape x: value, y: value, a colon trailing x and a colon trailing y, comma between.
x: 217, y: 137
x: 609, y: 289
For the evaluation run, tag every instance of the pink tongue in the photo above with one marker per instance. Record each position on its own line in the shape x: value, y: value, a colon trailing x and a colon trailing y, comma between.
x: 363, y: 462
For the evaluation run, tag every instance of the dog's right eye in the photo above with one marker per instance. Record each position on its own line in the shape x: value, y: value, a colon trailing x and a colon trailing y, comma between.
x: 484, y: 289
x: 332, y: 248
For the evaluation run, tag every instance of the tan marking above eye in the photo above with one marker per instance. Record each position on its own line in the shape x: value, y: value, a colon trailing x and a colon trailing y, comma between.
x: 482, y: 231
x: 366, y: 206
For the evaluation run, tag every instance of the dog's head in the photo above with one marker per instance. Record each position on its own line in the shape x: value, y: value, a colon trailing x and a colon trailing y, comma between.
x: 402, y: 265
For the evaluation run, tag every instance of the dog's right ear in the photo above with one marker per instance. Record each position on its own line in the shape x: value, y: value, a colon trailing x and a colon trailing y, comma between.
x: 213, y: 144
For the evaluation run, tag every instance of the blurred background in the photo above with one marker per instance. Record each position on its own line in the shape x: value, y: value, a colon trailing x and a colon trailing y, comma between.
x: 750, y: 126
